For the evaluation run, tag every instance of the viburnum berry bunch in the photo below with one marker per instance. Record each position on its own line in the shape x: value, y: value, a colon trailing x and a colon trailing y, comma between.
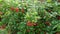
x: 30, y: 16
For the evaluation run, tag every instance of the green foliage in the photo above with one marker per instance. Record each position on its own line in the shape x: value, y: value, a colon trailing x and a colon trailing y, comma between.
x: 30, y: 16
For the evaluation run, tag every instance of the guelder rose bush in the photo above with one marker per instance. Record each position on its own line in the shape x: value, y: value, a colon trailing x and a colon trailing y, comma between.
x: 30, y: 17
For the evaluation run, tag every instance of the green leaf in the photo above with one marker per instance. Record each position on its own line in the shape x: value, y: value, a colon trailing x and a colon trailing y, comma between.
x: 0, y: 0
x: 49, y: 0
x: 19, y: 32
x: 1, y: 23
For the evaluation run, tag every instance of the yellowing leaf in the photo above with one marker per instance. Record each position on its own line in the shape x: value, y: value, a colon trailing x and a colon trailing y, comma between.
x: 49, y: 0
x: 0, y: 0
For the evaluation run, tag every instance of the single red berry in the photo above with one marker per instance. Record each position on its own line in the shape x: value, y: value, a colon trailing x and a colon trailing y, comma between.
x: 17, y: 9
x: 29, y: 23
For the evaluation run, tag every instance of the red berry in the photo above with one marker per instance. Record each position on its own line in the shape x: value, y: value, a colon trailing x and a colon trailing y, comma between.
x: 17, y: 9
x: 29, y: 23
